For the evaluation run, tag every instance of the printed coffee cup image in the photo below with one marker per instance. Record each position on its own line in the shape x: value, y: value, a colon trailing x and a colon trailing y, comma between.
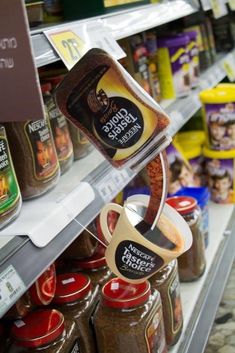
x: 134, y: 257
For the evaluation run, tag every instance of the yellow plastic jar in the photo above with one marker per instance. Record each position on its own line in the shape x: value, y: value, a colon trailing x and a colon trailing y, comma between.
x: 196, y: 137
x: 220, y: 175
x: 219, y: 117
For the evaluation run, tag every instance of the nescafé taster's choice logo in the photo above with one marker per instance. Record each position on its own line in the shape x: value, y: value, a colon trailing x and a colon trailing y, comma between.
x: 135, y: 261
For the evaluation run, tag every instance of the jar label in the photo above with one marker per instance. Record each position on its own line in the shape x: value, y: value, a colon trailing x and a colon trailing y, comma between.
x: 59, y: 127
x: 175, y: 302
x: 81, y: 138
x: 76, y: 348
x: 155, y: 334
x: 42, y: 147
x: 220, y: 173
x: 111, y: 114
x: 135, y: 261
x: 9, y: 189
x: 221, y: 125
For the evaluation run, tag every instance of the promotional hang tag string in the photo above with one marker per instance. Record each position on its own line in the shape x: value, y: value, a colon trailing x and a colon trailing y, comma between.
x: 83, y: 227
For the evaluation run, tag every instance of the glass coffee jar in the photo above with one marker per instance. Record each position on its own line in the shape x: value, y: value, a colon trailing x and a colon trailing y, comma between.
x: 76, y: 299
x: 166, y: 281
x: 129, y: 319
x: 82, y: 247
x: 192, y: 263
x: 44, y: 331
x: 10, y: 196
x: 60, y: 130
x: 95, y: 267
x: 34, y: 156
x: 40, y: 293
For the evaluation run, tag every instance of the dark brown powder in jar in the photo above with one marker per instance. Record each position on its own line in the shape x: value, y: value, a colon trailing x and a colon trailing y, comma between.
x: 95, y: 267
x: 129, y: 319
x: 166, y: 281
x: 83, y: 246
x: 44, y: 331
x: 76, y: 298
x: 59, y: 128
x: 192, y: 263
x: 34, y: 156
x: 81, y: 146
x: 10, y: 196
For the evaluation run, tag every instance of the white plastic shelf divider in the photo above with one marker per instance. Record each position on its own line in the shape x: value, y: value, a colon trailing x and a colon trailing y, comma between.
x: 201, y: 298
x: 120, y: 24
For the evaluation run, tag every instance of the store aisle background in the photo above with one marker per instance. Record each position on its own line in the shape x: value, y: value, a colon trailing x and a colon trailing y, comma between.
x: 222, y: 336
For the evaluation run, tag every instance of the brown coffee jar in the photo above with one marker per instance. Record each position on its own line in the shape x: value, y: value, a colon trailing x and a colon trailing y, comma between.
x: 82, y: 247
x: 59, y: 128
x: 81, y: 146
x: 95, y: 267
x: 39, y: 294
x: 129, y: 319
x: 34, y: 156
x: 44, y: 331
x: 76, y: 299
x: 166, y: 281
x: 192, y: 263
x: 10, y: 196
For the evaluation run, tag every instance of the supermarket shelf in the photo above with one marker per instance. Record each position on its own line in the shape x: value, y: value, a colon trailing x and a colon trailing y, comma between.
x: 201, y: 298
x: 29, y: 260
x: 120, y: 24
x: 182, y: 109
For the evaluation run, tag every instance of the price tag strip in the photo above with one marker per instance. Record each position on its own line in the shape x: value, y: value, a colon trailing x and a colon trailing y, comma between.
x: 228, y: 65
x: 11, y: 288
x: 114, y: 181
x: 231, y: 4
x: 72, y: 42
x: 219, y: 8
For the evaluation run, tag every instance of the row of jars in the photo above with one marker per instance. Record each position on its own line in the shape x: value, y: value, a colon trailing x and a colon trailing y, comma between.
x: 33, y: 154
x: 86, y: 317
x: 95, y: 312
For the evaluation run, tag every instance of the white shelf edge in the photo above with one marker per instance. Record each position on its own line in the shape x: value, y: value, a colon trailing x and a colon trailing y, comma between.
x: 119, y: 24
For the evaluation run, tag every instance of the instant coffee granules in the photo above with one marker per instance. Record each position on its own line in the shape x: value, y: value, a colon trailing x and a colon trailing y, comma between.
x: 166, y: 281
x: 10, y: 196
x: 76, y: 298
x: 34, y: 156
x: 44, y: 331
x: 192, y: 263
x: 129, y: 319
x: 101, y: 99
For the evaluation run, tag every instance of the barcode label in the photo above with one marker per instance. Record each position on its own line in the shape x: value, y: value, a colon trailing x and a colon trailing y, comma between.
x: 11, y: 288
x: 69, y: 280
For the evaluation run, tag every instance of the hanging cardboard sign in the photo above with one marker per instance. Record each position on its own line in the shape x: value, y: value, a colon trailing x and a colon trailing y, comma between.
x: 19, y: 85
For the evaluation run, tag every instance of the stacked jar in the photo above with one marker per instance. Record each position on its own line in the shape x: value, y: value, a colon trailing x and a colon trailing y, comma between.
x: 219, y: 152
x: 192, y: 263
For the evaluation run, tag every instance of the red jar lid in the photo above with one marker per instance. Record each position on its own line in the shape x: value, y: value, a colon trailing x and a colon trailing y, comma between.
x: 182, y: 204
x: 38, y: 328
x: 71, y: 287
x: 43, y: 290
x: 46, y: 87
x: 120, y: 294
x: 97, y: 260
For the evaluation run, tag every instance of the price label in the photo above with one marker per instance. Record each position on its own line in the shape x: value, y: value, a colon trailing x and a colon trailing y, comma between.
x: 219, y: 8
x: 69, y: 46
x: 11, y: 288
x: 113, y: 183
x: 228, y: 65
x: 73, y: 42
x: 231, y: 4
